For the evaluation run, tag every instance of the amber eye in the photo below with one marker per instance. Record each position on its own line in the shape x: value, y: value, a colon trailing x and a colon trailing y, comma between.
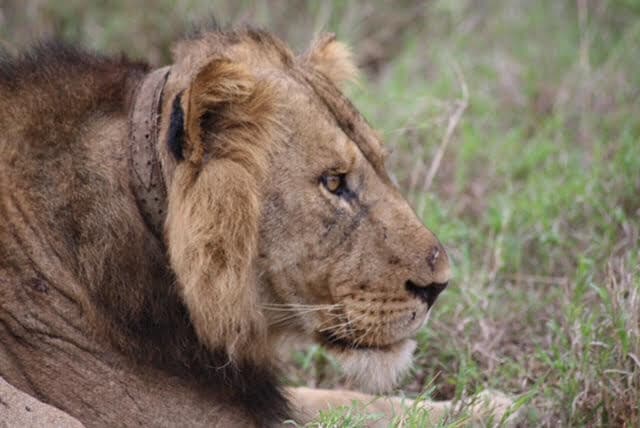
x: 333, y: 182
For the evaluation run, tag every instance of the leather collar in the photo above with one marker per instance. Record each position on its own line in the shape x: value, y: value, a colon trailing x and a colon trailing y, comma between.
x: 144, y: 164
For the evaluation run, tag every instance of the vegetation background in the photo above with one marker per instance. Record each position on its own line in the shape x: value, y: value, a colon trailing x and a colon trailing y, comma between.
x: 514, y: 127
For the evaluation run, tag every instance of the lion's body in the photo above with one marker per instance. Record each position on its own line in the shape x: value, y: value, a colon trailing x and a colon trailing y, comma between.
x: 277, y: 202
x: 70, y: 227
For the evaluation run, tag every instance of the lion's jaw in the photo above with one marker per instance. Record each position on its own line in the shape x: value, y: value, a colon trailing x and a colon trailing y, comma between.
x: 376, y: 370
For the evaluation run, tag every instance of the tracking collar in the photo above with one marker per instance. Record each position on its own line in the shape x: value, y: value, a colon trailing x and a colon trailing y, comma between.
x: 147, y: 180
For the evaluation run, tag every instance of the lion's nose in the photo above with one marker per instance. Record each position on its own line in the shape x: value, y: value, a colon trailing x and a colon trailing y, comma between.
x: 427, y: 293
x: 438, y: 263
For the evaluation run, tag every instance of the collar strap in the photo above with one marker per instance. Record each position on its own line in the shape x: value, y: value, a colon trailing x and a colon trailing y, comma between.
x: 144, y: 164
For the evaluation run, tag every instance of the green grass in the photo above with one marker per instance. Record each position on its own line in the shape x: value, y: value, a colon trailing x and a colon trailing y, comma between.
x: 537, y: 197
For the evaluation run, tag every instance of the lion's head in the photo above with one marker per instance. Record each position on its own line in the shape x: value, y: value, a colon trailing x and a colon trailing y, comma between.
x: 281, y: 216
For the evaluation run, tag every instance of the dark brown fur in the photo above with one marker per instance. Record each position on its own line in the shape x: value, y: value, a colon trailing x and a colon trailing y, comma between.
x: 62, y: 197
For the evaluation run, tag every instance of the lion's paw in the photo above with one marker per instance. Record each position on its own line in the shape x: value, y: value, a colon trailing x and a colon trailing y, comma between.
x: 495, y: 408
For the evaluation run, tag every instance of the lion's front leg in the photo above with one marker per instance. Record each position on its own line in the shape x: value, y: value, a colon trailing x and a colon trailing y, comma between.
x: 308, y: 403
x: 485, y: 407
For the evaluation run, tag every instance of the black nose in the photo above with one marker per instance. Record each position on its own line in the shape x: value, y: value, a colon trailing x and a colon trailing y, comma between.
x: 427, y: 293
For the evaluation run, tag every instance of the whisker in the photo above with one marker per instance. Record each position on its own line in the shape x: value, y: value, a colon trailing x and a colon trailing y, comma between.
x: 343, y: 325
x: 289, y: 305
x: 361, y: 337
x: 290, y: 308
x: 282, y: 320
x: 290, y: 314
x: 333, y: 326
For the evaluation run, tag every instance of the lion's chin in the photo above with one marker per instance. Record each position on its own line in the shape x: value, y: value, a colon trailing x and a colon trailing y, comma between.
x: 375, y: 370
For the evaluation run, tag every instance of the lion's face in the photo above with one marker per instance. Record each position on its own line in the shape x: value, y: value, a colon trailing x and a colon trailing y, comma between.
x: 337, y: 234
x: 341, y: 253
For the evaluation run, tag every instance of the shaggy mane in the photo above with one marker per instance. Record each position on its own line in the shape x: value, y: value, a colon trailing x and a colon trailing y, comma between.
x: 48, y: 97
x: 54, y: 72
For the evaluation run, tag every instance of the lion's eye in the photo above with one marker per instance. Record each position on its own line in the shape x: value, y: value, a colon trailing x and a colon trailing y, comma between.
x: 335, y: 183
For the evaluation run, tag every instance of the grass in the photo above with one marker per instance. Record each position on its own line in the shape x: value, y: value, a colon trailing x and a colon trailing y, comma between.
x: 537, y: 195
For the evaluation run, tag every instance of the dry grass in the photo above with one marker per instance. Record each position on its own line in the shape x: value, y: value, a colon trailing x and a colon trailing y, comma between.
x: 515, y: 131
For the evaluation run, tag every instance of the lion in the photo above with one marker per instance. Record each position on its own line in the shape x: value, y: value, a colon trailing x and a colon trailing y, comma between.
x: 162, y: 230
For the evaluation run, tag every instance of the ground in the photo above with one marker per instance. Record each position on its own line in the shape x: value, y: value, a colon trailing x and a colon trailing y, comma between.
x: 514, y: 128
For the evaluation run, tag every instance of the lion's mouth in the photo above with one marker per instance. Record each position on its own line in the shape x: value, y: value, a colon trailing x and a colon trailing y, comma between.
x: 331, y: 340
x: 363, y: 337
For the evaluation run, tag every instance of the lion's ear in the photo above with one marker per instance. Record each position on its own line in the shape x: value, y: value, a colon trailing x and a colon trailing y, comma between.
x: 332, y: 58
x: 229, y: 125
x: 222, y: 95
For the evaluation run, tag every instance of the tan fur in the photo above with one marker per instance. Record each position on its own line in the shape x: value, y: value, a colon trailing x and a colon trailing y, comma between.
x: 212, y: 230
x: 254, y: 247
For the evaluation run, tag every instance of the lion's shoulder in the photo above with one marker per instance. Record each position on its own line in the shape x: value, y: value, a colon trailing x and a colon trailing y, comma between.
x: 53, y: 60
x: 63, y: 83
